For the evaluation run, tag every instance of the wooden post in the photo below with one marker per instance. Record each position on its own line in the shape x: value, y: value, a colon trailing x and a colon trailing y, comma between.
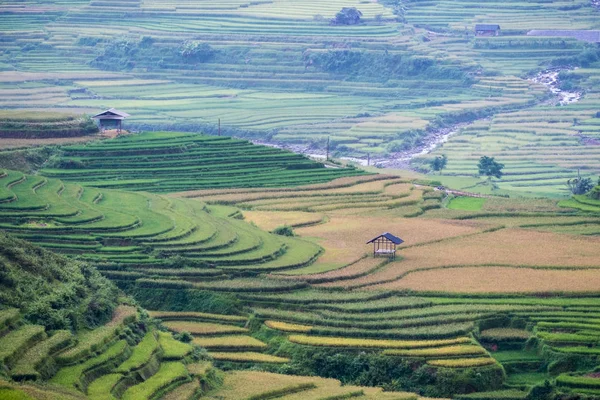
x: 327, y: 157
x: 219, y: 126
x: 368, y: 159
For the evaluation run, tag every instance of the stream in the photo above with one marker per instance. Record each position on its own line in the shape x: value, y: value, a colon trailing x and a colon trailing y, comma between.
x: 549, y: 78
x: 401, y: 160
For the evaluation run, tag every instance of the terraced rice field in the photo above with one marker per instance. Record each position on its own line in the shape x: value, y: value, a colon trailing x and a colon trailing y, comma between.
x: 378, y: 316
x: 275, y: 87
x: 542, y: 146
x: 171, y: 162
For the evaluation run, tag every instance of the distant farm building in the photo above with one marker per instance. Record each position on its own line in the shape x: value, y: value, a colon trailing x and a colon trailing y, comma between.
x: 583, y: 35
x: 385, y: 245
x: 487, y: 30
x: 111, y: 119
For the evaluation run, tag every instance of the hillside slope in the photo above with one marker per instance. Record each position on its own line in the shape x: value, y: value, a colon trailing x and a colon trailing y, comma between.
x: 51, y: 290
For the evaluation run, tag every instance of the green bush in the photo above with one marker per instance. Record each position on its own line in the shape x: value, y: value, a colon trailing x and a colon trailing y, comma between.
x: 52, y: 290
x: 284, y: 231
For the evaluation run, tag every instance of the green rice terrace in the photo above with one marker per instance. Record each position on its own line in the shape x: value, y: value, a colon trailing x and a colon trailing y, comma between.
x: 171, y: 162
x: 281, y: 72
x: 241, y: 310
x: 180, y: 260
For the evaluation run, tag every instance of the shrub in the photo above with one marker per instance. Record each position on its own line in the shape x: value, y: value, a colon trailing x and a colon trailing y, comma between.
x: 284, y: 231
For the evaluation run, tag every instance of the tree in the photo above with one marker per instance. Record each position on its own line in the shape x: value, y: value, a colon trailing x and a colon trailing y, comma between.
x: 196, y: 51
x: 489, y: 167
x: 348, y: 16
x: 580, y: 185
x: 439, y: 163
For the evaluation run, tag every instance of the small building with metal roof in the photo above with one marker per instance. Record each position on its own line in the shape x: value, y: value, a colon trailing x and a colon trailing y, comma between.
x: 385, y: 245
x: 111, y: 119
x: 487, y: 30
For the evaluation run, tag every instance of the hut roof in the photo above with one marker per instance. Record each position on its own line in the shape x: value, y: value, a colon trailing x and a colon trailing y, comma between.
x: 111, y: 113
x: 487, y: 27
x: 388, y: 236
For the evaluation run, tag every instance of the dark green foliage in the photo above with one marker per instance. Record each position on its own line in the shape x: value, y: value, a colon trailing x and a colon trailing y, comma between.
x: 52, y: 290
x: 580, y: 185
x: 118, y: 55
x: 184, y: 337
x: 196, y: 51
x: 382, y: 67
x: 439, y: 163
x: 594, y: 194
x: 584, y: 59
x: 284, y: 231
x: 27, y: 160
x: 127, y: 54
x: 542, y: 392
x: 489, y: 167
x: 348, y: 16
x: 186, y: 300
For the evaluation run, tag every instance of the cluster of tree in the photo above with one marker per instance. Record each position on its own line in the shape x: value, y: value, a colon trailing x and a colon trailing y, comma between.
x: 487, y: 166
x: 52, y: 290
x: 198, y: 51
x: 126, y: 54
x: 381, y: 66
x: 439, y: 163
x: 581, y: 185
x: 347, y: 16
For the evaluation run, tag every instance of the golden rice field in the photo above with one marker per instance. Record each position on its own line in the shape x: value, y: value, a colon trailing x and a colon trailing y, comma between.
x: 344, y: 238
x: 498, y: 280
x: 194, y: 314
x: 268, y: 220
x: 248, y: 356
x: 287, y: 327
x: 351, y: 213
x: 372, y: 343
x: 464, y: 350
x: 258, y: 385
x: 202, y: 328
x: 462, y: 362
x: 229, y: 342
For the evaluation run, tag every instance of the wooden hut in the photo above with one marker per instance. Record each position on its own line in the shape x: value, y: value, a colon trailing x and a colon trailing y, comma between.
x: 385, y: 245
x: 111, y: 119
x: 487, y: 30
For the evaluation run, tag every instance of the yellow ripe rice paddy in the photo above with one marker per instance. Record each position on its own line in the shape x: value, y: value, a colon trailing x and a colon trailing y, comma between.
x: 287, y: 327
x: 202, y: 328
x: 462, y: 362
x: 372, y: 343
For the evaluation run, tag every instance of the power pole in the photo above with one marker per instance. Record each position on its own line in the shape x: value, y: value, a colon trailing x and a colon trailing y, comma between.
x: 327, y: 158
x: 368, y: 159
x: 219, y: 126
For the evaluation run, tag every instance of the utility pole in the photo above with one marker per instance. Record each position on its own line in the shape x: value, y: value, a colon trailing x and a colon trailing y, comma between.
x: 219, y: 126
x: 327, y: 158
x: 368, y: 159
